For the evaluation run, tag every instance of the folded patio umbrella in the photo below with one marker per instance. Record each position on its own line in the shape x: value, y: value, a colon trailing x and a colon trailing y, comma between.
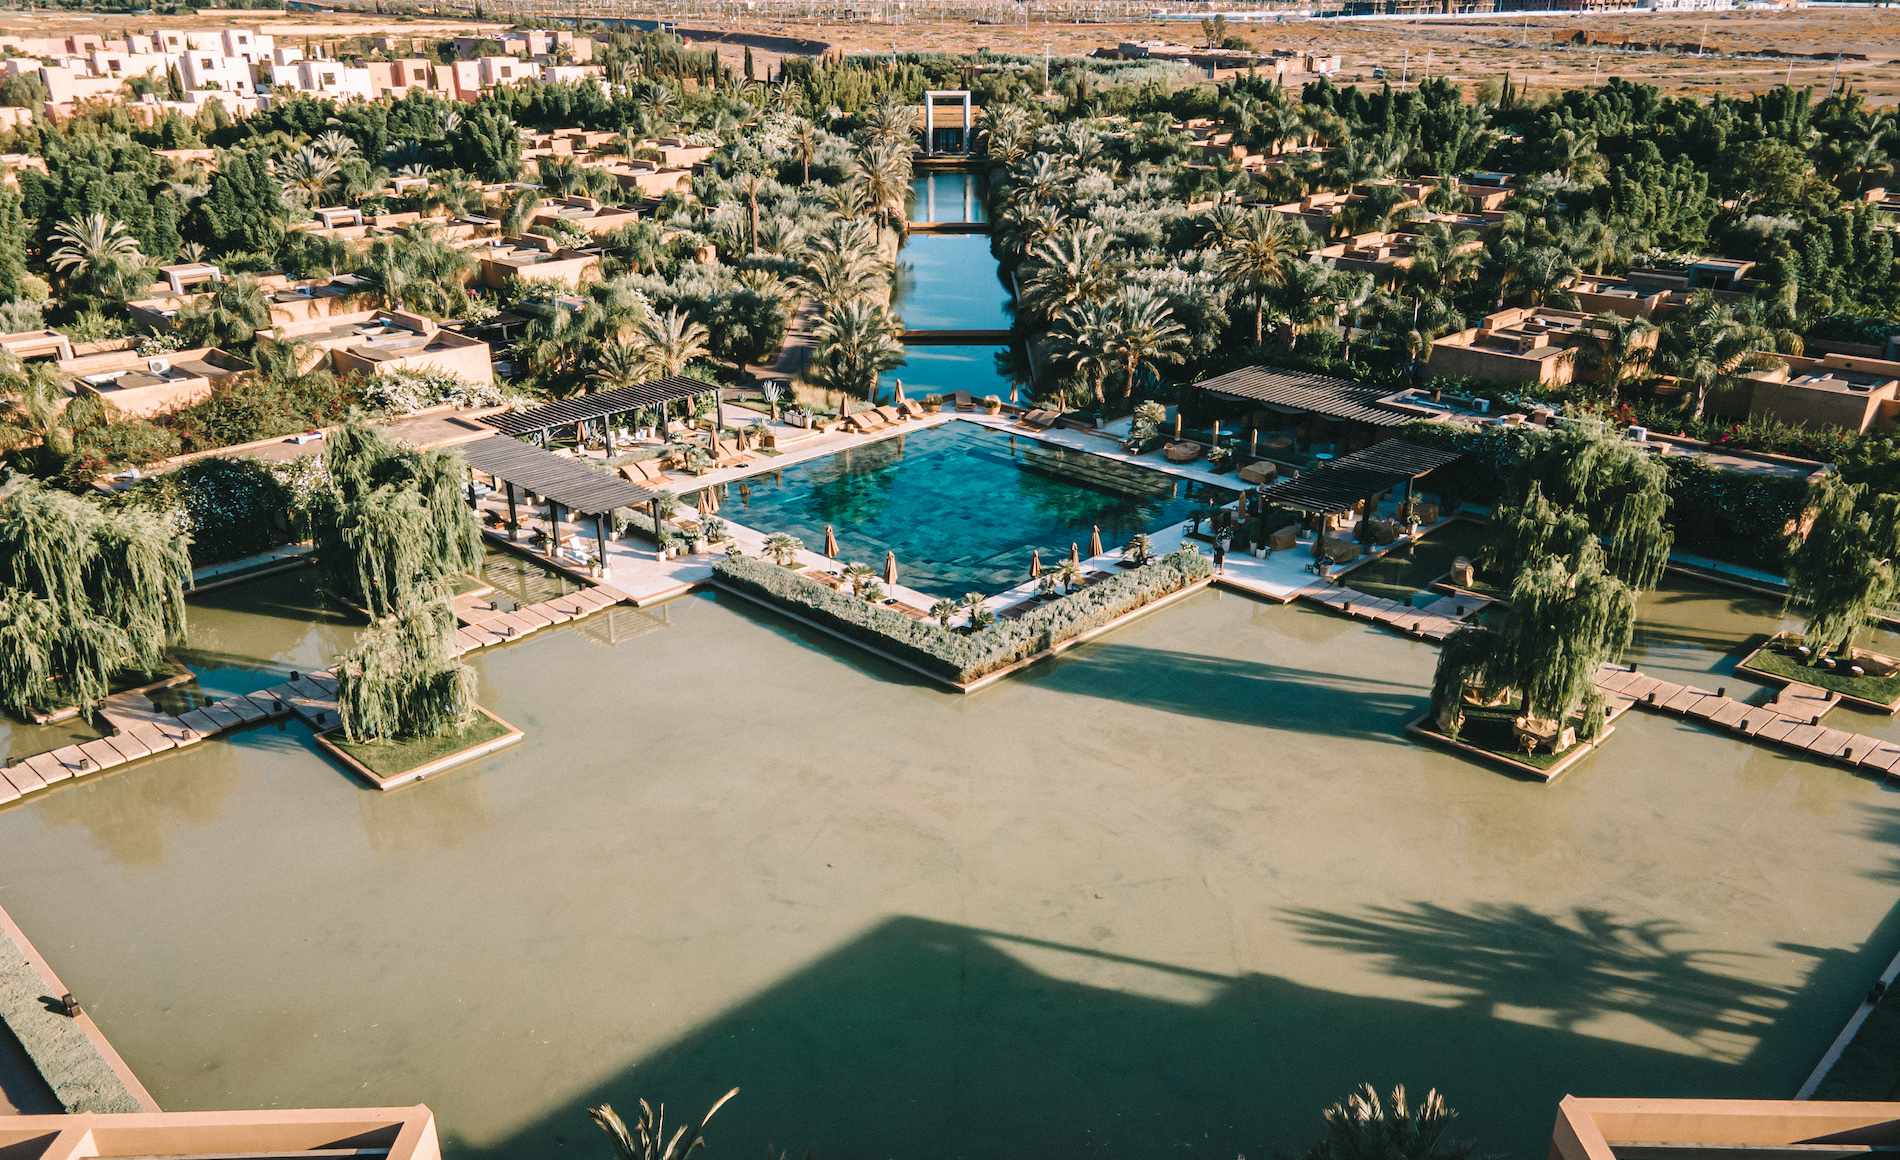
x: 898, y: 395
x: 1095, y: 542
x: 1035, y: 563
x: 1075, y: 553
x: 890, y: 569
x: 831, y: 543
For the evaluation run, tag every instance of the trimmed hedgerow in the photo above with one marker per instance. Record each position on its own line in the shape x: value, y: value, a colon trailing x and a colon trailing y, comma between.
x: 963, y: 656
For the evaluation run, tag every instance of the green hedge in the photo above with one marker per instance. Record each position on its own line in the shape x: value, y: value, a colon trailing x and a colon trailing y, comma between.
x: 959, y: 656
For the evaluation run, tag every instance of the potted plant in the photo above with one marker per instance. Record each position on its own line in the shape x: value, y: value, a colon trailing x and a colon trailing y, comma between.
x: 980, y: 615
x: 933, y: 402
x: 1220, y: 459
x: 1137, y: 551
x: 1045, y: 587
x: 697, y: 459
x: 943, y: 610
x: 992, y: 404
x: 784, y: 549
x: 713, y: 529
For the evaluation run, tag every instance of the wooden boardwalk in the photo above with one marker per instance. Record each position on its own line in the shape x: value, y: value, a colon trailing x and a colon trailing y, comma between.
x: 141, y: 730
x: 1433, y: 622
x: 483, y: 623
x: 1791, y: 721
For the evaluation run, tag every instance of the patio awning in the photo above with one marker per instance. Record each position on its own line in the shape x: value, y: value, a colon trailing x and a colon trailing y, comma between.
x: 1298, y: 392
x: 1338, y: 485
x: 584, y: 408
x: 575, y: 486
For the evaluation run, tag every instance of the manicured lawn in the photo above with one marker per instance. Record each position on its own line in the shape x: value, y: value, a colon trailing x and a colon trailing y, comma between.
x: 1788, y: 666
x: 389, y: 758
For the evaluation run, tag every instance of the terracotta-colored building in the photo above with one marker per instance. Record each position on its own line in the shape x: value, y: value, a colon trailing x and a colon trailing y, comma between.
x: 144, y: 386
x: 378, y: 341
x: 386, y: 1133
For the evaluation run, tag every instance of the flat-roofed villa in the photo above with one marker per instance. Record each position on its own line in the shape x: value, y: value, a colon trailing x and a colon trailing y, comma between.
x: 145, y: 386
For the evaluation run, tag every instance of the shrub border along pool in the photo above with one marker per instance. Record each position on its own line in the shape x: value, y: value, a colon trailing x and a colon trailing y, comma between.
x: 966, y: 661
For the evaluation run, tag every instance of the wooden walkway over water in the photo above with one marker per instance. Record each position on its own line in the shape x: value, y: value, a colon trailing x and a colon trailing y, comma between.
x: 483, y: 623
x: 1792, y: 720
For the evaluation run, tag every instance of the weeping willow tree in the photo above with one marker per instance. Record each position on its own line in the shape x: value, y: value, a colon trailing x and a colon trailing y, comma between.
x: 1844, y: 568
x: 1618, y: 493
x: 402, y: 681
x: 1568, y: 615
x: 84, y: 593
x: 397, y: 525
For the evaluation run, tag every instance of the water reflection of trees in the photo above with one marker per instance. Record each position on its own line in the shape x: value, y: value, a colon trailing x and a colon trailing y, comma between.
x: 1575, y: 968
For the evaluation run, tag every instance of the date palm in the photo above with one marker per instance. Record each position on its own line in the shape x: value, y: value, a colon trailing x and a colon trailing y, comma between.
x: 1352, y: 293
x: 311, y: 172
x: 891, y: 123
x: 1304, y: 297
x: 1143, y: 333
x: 667, y: 342
x: 1258, y: 261
x: 1363, y: 1126
x: 334, y: 145
x: 231, y: 315
x: 647, y: 1139
x: 783, y: 548
x: 1618, y: 350
x: 1708, y: 344
x: 1083, y: 337
x: 882, y: 180
x: 618, y: 365
x: 749, y: 186
x: 804, y: 146
x: 856, y: 343
x: 1069, y: 267
x: 93, y: 246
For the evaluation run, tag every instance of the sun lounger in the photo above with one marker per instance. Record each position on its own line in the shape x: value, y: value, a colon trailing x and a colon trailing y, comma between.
x: 1039, y: 420
x: 643, y: 471
x: 865, y: 422
x: 891, y: 415
x: 913, y: 409
x: 963, y: 401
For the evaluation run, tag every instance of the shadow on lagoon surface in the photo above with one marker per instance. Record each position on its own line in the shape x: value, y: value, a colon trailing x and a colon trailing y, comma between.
x: 922, y: 1038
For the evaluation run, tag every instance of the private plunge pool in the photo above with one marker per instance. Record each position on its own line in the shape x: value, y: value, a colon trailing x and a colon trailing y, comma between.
x: 963, y: 506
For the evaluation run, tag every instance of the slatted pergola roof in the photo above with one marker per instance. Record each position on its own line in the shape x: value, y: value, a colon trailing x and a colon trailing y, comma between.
x: 1338, y: 485
x: 585, y: 408
x: 575, y: 486
x: 1301, y: 391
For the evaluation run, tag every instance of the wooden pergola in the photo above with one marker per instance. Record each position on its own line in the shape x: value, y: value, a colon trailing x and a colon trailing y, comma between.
x: 658, y: 395
x: 1340, y: 484
x: 567, y: 485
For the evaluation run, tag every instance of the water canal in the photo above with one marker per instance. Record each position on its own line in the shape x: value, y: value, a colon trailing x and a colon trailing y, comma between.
x: 1176, y: 891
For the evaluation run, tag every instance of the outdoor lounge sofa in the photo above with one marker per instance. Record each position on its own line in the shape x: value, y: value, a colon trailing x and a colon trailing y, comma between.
x: 1039, y: 420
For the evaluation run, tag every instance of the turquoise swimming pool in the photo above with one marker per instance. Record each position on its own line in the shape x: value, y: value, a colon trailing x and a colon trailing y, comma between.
x: 964, y: 506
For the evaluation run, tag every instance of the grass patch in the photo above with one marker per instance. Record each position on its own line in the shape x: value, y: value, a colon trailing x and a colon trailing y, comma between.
x: 391, y: 758
x: 1778, y: 662
x: 1869, y: 1066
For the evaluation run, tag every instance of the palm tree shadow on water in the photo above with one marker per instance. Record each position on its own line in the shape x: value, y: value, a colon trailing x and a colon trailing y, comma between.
x: 923, y: 1038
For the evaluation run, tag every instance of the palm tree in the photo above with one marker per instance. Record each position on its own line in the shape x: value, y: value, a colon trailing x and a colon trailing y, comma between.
x: 750, y: 185
x: 648, y: 1140
x: 882, y: 180
x: 231, y: 315
x: 1708, y: 344
x: 1304, y: 295
x: 335, y: 145
x: 658, y: 104
x: 783, y: 548
x: 1143, y: 333
x: 1258, y: 261
x: 843, y: 263
x: 1352, y: 293
x: 1069, y: 572
x: 420, y: 270
x: 619, y: 365
x: 519, y: 214
x: 943, y: 610
x: 1618, y: 350
x: 805, y: 146
x: 1363, y: 1127
x: 856, y: 343
x: 1083, y: 336
x: 1070, y: 267
x: 668, y: 342
x: 94, y: 248
x: 890, y: 122
x: 309, y: 171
